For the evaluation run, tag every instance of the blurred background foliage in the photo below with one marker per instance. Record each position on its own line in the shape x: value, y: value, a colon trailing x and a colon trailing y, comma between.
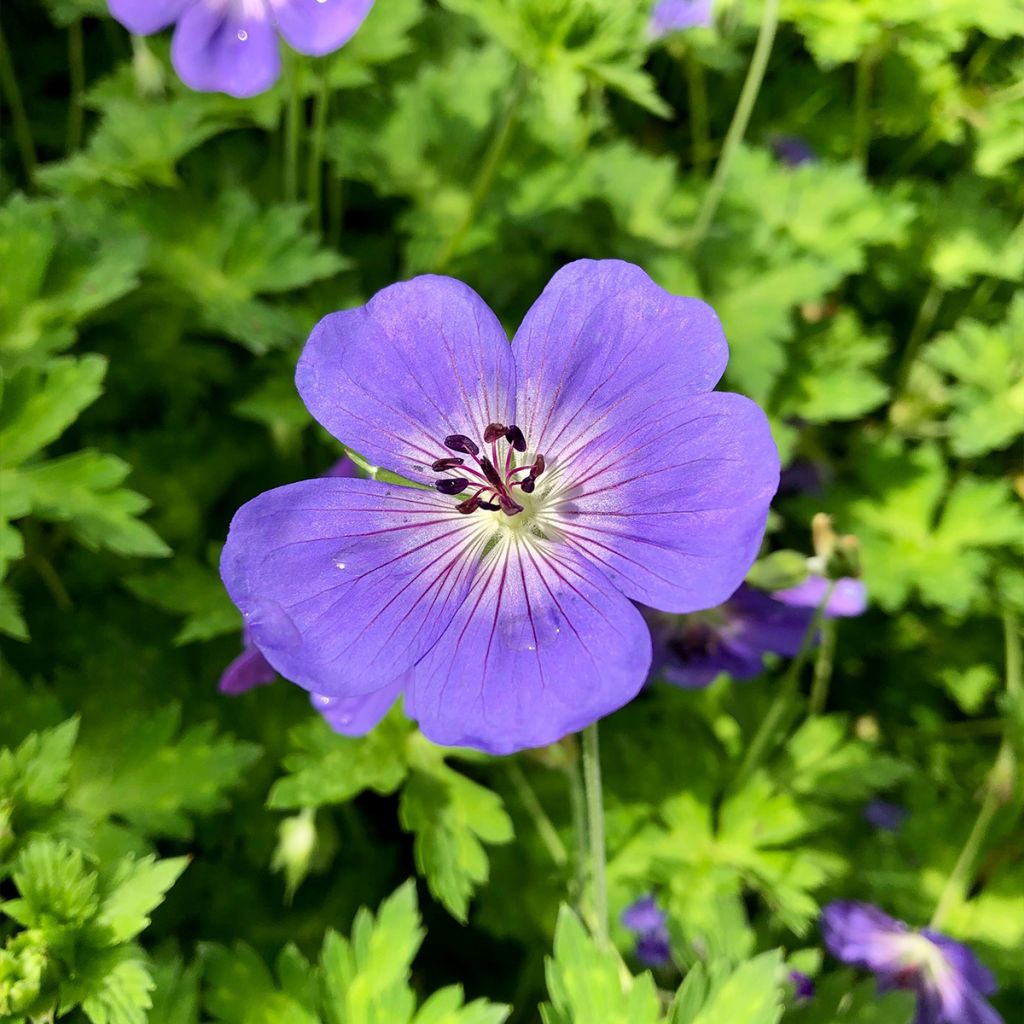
x: 164, y: 254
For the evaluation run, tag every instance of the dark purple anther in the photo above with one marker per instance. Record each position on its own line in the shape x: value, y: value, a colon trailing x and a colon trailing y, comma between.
x: 528, y: 484
x: 509, y: 506
x: 469, y: 505
x: 454, y: 486
x: 461, y: 443
x: 493, y: 478
x: 490, y: 506
x: 539, y: 465
x: 493, y: 431
x: 515, y: 437
x: 442, y: 464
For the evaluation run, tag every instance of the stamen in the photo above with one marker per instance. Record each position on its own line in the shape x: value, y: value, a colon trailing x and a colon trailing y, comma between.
x: 515, y: 437
x: 455, y: 485
x: 528, y: 484
x: 509, y: 506
x: 539, y: 465
x: 469, y: 505
x: 493, y: 477
x: 442, y: 464
x: 461, y: 443
x: 490, y: 506
x: 493, y: 431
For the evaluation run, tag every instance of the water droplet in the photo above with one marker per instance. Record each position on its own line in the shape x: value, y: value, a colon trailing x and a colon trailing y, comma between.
x: 242, y: 35
x: 522, y: 632
x: 322, y: 701
x: 342, y: 558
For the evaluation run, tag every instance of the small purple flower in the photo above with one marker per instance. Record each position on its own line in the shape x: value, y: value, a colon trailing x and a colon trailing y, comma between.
x: 231, y: 45
x: 803, y: 986
x: 948, y: 979
x: 249, y: 670
x: 691, y: 651
x: 793, y: 151
x: 849, y: 596
x: 676, y: 15
x: 648, y: 922
x: 886, y: 817
x: 585, y: 466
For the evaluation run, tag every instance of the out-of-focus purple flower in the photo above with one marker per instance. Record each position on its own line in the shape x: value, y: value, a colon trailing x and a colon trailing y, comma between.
x: 648, y: 922
x: 692, y: 650
x: 584, y: 467
x: 676, y: 15
x: 849, y: 596
x: 804, y: 476
x: 886, y: 817
x: 249, y: 670
x: 803, y: 986
x: 793, y: 151
x: 950, y: 982
x: 232, y: 45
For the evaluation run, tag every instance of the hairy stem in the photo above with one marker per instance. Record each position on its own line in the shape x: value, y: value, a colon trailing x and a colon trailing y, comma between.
x: 999, y: 786
x: 492, y: 158
x: 926, y: 315
x: 865, y: 74
x: 292, y: 115
x: 578, y: 802
x: 545, y: 829
x: 314, y: 171
x: 595, y: 831
x: 823, y: 662
x: 740, y: 120
x: 700, y: 140
x: 22, y: 128
x: 784, y: 697
x: 76, y: 74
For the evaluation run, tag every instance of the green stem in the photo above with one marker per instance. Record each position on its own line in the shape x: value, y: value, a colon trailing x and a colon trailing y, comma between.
x: 488, y: 170
x: 578, y: 801
x: 926, y: 315
x: 784, y: 697
x: 22, y: 128
x: 823, y: 668
x: 699, y: 133
x: 998, y: 786
x: 76, y: 73
x: 595, y: 830
x: 740, y: 120
x: 862, y: 107
x: 292, y: 115
x: 314, y: 172
x: 545, y: 829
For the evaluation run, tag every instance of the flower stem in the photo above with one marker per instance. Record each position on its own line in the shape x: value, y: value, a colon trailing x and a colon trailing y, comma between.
x: 578, y: 801
x: 545, y: 829
x: 926, y: 315
x: 999, y: 785
x: 292, y: 115
x: 784, y: 697
x: 595, y: 830
x: 488, y: 170
x: 862, y: 107
x: 76, y: 73
x: 697, y: 89
x: 740, y: 120
x: 823, y: 668
x: 314, y: 171
x: 22, y: 128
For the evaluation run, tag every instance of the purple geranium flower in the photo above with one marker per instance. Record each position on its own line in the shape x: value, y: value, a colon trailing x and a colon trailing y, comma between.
x: 586, y: 466
x: 231, y: 45
x: 648, y: 922
x: 675, y: 15
x: 803, y: 986
x: 948, y: 979
x: 886, y: 817
x: 249, y: 670
x: 691, y: 651
x: 793, y: 151
x: 849, y: 597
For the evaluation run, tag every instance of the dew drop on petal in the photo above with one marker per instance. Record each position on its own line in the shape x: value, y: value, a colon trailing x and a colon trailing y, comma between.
x: 242, y: 35
x: 522, y: 632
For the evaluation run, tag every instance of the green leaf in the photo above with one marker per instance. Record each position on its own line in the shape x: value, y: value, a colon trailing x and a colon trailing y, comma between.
x: 451, y: 817
x: 590, y: 985
x: 138, y: 768
x: 175, y: 992
x: 36, y: 773
x: 751, y: 993
x: 136, y: 888
x: 122, y: 994
x: 241, y: 990
x: 56, y: 889
x: 327, y: 768
x: 987, y: 365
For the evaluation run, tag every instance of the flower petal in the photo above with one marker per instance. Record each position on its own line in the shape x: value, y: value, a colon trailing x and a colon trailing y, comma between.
x: 344, y: 584
x: 604, y: 342
x: 249, y: 670
x: 964, y: 962
x: 674, y: 508
x: 542, y: 646
x: 356, y: 716
x: 215, y: 50
x: 849, y: 596
x: 862, y: 935
x: 316, y: 27
x: 421, y: 360
x: 144, y: 17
